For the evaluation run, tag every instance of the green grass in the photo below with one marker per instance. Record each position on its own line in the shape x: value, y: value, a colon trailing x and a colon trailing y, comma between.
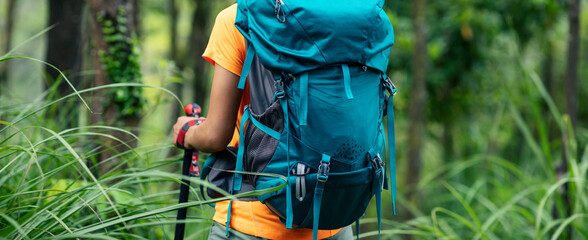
x: 51, y: 186
x: 48, y: 189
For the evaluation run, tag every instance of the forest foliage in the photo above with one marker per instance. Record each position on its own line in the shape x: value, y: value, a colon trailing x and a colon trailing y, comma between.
x: 491, y: 118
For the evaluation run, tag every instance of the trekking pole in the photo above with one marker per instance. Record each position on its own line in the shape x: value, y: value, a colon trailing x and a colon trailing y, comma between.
x: 189, y: 169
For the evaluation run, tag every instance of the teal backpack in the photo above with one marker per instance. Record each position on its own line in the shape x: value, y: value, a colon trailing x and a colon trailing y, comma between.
x: 319, y: 92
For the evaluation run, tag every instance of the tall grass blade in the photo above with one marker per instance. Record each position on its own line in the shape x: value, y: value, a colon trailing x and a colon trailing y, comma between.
x: 529, y: 139
x: 15, y: 224
x: 83, y: 165
x: 59, y: 220
x: 467, y: 206
x: 452, y: 214
x: 57, y: 69
x: 115, y: 85
x: 47, y: 29
x: 563, y: 225
x: 540, y: 209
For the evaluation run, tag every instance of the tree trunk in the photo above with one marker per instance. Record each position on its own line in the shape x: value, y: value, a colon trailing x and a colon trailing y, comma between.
x: 113, y: 24
x: 418, y: 97
x: 64, y: 41
x: 176, y: 87
x: 547, y: 65
x: 7, y: 44
x: 549, y: 82
x: 198, y: 87
x: 64, y: 50
x: 571, y: 85
x: 198, y: 40
x: 571, y: 91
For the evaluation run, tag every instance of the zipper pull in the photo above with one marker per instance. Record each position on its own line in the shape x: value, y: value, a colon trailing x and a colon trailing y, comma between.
x: 279, y: 11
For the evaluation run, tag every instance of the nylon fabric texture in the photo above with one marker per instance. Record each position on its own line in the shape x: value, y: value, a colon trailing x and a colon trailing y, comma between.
x: 227, y: 48
x: 301, y: 42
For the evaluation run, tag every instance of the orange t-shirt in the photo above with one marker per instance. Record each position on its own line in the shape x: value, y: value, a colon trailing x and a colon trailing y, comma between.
x: 226, y: 47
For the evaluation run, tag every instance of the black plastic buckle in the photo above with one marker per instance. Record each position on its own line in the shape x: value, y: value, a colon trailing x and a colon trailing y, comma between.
x: 390, y: 86
x: 323, y: 171
x: 279, y: 85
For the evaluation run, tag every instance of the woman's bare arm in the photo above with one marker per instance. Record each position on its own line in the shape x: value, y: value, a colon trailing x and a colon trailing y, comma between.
x: 217, y: 131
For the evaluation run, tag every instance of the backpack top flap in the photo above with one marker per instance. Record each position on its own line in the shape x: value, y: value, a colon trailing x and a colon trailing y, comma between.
x: 300, y: 35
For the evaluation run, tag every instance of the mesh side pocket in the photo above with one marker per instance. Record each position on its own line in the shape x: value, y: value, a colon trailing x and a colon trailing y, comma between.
x: 260, y: 147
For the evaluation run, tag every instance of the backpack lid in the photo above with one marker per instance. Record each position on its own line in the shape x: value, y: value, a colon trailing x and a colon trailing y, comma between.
x: 300, y: 35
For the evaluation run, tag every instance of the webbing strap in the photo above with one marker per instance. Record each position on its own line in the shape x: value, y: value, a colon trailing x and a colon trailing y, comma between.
x: 386, y: 180
x: 228, y: 218
x: 289, y: 211
x: 347, y: 81
x: 357, y: 229
x: 379, y: 208
x: 303, y: 98
x: 322, y: 177
x: 392, y: 151
x: 246, y: 66
x: 205, y: 171
x: 237, y: 177
x: 269, y: 131
x: 378, y: 183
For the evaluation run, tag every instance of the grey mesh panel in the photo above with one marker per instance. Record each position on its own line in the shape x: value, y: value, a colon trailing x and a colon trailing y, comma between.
x: 260, y: 147
x: 261, y: 86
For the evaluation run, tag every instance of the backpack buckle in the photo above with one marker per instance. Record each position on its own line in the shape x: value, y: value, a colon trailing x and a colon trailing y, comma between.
x: 378, y: 166
x: 390, y: 86
x: 279, y: 85
x: 323, y: 171
x: 377, y: 162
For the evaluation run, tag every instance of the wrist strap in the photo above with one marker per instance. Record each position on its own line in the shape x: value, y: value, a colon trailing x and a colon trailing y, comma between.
x: 184, y: 130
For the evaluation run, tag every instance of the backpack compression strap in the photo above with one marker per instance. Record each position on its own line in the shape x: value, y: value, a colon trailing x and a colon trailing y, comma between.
x: 391, y: 140
x: 378, y: 183
x: 280, y: 95
x: 322, y: 177
x: 237, y: 177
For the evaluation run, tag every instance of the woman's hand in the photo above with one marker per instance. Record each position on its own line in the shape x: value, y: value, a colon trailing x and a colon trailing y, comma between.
x: 180, y: 122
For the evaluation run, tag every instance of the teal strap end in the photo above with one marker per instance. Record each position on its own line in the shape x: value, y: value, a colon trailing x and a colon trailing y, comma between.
x: 227, y: 224
x: 357, y: 229
x: 289, y: 210
x: 379, y: 209
x: 392, y: 152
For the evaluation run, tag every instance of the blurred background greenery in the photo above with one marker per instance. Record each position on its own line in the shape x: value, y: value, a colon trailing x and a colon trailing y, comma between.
x: 491, y: 118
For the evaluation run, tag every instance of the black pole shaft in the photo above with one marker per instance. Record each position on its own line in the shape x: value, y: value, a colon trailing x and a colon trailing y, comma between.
x: 192, y: 110
x: 184, y: 188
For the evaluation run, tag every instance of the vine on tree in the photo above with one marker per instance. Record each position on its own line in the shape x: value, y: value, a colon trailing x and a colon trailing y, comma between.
x: 121, y: 63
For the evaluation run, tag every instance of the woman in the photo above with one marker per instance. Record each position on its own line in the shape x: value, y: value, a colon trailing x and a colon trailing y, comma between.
x: 226, y: 50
